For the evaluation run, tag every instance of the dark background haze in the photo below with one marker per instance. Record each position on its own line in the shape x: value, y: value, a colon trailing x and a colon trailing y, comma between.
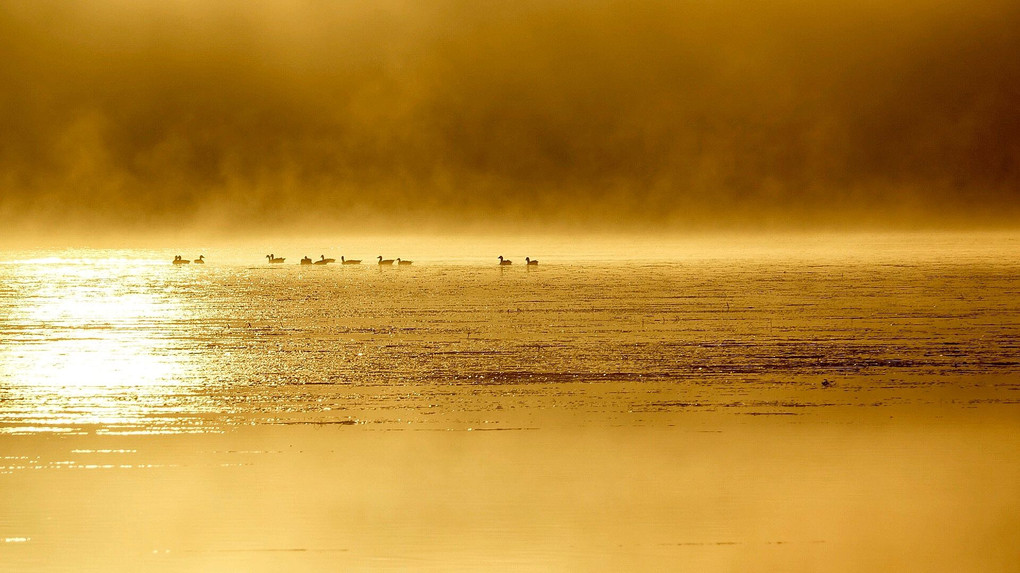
x: 385, y: 115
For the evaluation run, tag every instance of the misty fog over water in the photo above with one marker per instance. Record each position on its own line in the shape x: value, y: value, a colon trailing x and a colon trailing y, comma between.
x: 774, y: 324
x: 391, y: 116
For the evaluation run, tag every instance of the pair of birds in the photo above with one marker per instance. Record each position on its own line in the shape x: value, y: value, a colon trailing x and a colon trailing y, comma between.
x: 383, y: 261
x: 527, y: 260
x: 178, y: 260
x: 322, y: 261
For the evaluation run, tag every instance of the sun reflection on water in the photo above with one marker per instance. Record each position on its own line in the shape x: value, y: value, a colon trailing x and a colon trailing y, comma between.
x: 90, y: 343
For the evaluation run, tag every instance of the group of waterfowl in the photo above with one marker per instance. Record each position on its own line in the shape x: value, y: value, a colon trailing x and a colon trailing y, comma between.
x: 274, y: 260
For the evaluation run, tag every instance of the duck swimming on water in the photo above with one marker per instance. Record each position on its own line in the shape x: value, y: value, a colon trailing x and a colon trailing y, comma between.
x: 344, y: 261
x: 504, y: 262
x: 273, y: 259
x: 383, y: 261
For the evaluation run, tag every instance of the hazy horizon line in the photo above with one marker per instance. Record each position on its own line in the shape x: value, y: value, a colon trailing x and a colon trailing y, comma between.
x: 189, y: 239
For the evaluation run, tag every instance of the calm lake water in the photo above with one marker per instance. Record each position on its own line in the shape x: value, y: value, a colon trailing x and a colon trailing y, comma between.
x: 131, y: 387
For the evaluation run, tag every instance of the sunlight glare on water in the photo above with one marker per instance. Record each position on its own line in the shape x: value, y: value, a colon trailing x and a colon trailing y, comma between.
x: 90, y: 341
x: 124, y: 341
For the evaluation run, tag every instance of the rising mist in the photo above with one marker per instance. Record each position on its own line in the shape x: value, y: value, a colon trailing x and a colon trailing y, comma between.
x: 144, y: 116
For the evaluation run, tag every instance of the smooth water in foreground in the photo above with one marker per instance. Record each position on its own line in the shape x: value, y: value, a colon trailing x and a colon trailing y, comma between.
x: 819, y: 407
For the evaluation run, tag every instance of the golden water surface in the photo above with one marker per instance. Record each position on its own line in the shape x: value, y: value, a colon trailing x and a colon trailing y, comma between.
x: 834, y: 406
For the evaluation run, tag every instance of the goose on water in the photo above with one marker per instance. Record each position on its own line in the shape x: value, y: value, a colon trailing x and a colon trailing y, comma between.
x: 344, y: 261
x: 200, y: 260
x: 504, y: 262
x: 383, y: 261
x: 306, y: 261
x: 324, y: 261
x: 530, y: 262
x: 400, y: 262
x: 178, y: 260
x: 273, y: 259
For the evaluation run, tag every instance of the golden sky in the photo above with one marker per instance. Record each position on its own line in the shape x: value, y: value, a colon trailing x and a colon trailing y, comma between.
x: 392, y: 115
